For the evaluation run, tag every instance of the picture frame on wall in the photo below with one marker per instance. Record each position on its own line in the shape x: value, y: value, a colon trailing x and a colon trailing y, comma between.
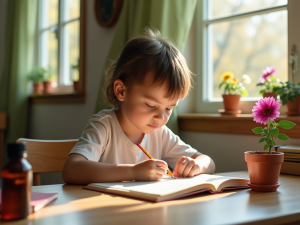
x: 107, y: 12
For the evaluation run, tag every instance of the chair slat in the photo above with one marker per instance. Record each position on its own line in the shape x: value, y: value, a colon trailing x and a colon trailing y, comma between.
x: 47, y: 156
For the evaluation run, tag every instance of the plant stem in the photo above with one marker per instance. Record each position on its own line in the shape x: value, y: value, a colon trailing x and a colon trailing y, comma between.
x: 270, y: 151
x: 270, y: 136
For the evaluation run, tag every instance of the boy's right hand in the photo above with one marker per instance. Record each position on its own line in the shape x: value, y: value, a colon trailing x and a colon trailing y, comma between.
x: 151, y: 169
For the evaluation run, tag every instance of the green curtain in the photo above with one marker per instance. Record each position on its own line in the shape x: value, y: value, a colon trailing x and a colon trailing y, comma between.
x: 18, y: 59
x: 173, y: 18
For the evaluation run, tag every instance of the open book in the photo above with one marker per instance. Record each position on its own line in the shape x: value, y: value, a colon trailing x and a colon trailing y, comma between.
x: 38, y: 200
x: 169, y: 189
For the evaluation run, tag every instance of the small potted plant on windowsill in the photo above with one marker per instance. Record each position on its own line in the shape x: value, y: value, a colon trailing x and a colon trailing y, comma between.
x: 37, y: 76
x: 48, y: 80
x: 233, y: 89
x: 75, y: 75
x: 264, y: 167
x: 289, y: 94
x: 269, y: 82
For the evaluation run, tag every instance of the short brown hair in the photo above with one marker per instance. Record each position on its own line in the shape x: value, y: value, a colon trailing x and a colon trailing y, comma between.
x: 150, y: 54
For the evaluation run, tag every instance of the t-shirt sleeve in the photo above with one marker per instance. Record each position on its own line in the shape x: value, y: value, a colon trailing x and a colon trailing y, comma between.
x: 174, y: 147
x: 93, y: 140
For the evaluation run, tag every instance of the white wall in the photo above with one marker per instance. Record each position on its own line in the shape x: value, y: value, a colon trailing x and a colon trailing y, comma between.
x: 67, y: 121
x: 2, y: 32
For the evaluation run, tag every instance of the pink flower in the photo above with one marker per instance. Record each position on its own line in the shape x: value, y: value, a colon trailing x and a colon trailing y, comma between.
x: 266, y: 73
x: 266, y: 109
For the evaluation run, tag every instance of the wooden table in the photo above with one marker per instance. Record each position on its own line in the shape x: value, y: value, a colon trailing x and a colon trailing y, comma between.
x: 78, y: 206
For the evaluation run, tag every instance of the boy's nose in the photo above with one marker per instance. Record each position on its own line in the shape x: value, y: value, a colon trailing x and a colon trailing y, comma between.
x: 159, y: 116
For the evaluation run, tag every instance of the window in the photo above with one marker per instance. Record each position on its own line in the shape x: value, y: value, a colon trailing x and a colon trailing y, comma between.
x: 59, y: 44
x: 242, y: 36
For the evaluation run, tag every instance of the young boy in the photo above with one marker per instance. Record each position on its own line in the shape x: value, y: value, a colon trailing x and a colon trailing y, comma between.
x: 144, y: 85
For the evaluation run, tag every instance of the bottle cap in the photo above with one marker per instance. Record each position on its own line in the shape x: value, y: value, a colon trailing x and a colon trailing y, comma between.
x: 16, y: 150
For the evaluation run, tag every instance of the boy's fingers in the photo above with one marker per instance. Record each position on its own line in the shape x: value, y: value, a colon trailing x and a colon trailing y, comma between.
x: 181, y: 165
x: 161, y: 163
x: 188, y: 169
x: 161, y: 171
x: 175, y: 171
x: 194, y: 171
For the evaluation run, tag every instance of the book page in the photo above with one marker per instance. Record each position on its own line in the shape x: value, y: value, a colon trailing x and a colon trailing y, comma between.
x: 167, y: 185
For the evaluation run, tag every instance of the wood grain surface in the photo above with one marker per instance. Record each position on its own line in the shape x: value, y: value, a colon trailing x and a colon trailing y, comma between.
x: 46, y: 155
x: 78, y: 206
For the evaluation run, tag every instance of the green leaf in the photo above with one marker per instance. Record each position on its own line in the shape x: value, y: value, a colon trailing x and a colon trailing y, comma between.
x: 275, y: 131
x: 273, y: 143
x: 268, y: 141
x: 266, y: 131
x: 262, y: 139
x: 257, y: 130
x: 223, y: 82
x: 266, y: 146
x: 283, y: 137
x: 286, y: 124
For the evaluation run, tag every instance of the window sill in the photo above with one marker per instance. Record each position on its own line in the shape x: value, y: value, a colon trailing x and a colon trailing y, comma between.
x: 58, y: 97
x: 240, y: 124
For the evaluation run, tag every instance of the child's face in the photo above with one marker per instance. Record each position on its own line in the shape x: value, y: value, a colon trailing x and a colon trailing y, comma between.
x: 146, y: 107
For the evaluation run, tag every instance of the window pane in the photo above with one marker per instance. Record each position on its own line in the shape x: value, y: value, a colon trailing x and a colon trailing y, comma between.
x: 70, y: 52
x: 222, y: 8
x: 49, y: 13
x: 71, y: 9
x: 49, y: 51
x: 247, y: 46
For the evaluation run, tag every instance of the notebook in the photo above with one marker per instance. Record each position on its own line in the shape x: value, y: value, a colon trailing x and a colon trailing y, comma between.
x: 38, y: 200
x: 169, y: 189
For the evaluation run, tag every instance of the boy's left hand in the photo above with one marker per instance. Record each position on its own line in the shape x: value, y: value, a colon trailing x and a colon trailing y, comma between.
x: 186, y: 167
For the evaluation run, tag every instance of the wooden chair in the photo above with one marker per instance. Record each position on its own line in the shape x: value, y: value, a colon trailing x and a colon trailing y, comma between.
x: 47, y: 155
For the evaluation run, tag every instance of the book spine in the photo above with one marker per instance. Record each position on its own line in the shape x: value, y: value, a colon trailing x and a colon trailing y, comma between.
x: 292, y: 168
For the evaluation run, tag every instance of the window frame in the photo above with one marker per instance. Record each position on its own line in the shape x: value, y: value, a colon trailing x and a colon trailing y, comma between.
x: 202, y: 104
x: 65, y: 94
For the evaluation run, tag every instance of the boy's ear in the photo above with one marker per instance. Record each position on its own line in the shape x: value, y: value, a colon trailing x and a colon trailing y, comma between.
x: 119, y: 89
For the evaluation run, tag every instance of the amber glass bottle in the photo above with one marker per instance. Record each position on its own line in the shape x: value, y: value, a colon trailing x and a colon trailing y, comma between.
x: 16, y: 183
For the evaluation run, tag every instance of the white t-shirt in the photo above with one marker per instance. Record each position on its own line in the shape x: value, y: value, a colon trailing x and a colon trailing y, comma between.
x: 103, y: 140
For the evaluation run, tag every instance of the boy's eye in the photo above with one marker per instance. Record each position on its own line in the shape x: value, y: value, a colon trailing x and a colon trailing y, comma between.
x: 168, y: 109
x: 152, y: 107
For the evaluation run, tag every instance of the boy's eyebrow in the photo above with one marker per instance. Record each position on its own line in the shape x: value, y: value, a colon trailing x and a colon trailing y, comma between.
x: 155, y: 100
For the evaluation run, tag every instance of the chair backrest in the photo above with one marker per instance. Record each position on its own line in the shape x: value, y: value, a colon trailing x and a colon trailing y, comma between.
x: 47, y: 155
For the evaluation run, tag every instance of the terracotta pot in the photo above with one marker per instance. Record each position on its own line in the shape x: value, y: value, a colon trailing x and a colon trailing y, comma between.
x: 264, y: 169
x: 48, y: 87
x: 231, y: 102
x: 75, y: 85
x: 38, y: 88
x: 294, y: 106
x: 270, y: 94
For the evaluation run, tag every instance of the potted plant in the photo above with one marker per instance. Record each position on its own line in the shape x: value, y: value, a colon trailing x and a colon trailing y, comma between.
x: 268, y: 82
x: 49, y: 77
x: 289, y: 94
x: 75, y: 75
x: 233, y: 89
x: 37, y: 75
x: 264, y: 167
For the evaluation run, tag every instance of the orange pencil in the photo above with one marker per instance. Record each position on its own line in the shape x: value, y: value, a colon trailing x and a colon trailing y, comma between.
x: 150, y: 157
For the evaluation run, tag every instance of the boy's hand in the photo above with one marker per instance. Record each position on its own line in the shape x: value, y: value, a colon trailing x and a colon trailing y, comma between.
x: 151, y: 169
x: 186, y: 167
